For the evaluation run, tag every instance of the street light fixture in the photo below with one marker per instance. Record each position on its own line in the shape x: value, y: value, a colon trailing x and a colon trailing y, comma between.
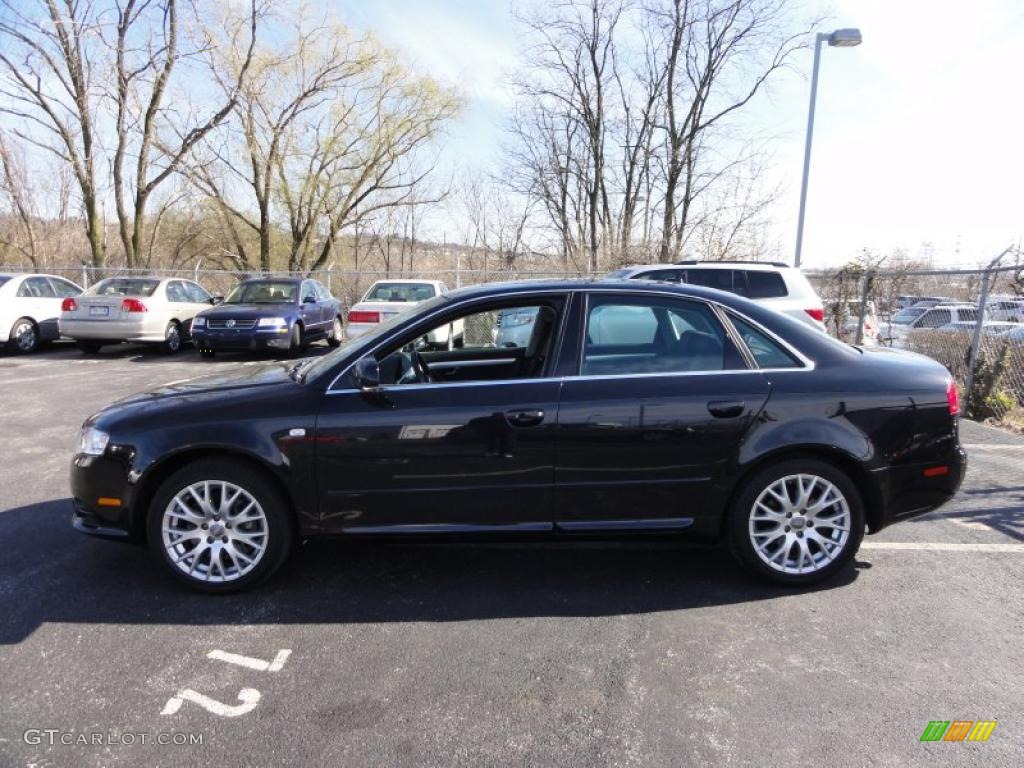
x: 840, y: 38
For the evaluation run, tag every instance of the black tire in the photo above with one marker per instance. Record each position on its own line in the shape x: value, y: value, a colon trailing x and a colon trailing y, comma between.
x: 295, y: 342
x: 172, y: 339
x: 207, y: 353
x: 88, y: 346
x: 24, y: 336
x: 280, y: 533
x: 334, y: 337
x: 742, y: 508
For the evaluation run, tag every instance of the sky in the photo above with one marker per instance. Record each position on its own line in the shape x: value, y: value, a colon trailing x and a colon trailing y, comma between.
x: 919, y: 131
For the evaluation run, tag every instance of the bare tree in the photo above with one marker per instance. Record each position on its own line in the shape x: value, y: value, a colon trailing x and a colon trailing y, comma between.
x: 720, y: 54
x: 145, y: 54
x: 50, y: 91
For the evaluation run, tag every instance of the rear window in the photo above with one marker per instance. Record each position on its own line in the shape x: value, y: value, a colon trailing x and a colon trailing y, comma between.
x: 400, y: 292
x: 4, y: 279
x: 120, y: 286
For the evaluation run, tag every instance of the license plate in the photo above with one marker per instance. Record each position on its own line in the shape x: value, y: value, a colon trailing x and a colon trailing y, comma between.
x: 99, y: 311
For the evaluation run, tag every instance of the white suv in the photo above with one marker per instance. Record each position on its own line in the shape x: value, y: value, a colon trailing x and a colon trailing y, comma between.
x: 776, y: 285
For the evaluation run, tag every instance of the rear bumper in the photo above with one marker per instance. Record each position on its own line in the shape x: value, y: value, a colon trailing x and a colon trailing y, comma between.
x: 352, y: 330
x: 116, y: 330
x: 908, y: 492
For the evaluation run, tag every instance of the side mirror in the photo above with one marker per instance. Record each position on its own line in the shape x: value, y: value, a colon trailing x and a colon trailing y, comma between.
x: 215, y: 300
x: 366, y: 373
x: 309, y: 300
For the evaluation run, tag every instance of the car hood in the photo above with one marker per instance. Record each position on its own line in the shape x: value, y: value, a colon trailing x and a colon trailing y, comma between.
x: 226, y: 311
x: 190, y: 391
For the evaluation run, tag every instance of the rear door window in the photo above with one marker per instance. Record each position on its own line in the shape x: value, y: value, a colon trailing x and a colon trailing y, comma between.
x: 934, y: 318
x: 650, y: 334
x: 721, y: 279
x: 64, y: 288
x: 763, y: 285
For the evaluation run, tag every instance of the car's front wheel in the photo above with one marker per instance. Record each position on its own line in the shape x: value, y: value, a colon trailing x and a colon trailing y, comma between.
x: 334, y: 337
x: 219, y: 526
x: 796, y: 522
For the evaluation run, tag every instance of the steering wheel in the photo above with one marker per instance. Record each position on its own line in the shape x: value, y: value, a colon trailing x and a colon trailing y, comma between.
x: 422, y: 372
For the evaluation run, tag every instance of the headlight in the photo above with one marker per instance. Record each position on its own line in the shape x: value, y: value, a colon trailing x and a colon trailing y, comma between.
x: 272, y: 322
x: 198, y: 322
x: 92, y: 441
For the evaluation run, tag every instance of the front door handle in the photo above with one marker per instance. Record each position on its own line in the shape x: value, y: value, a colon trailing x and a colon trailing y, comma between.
x: 725, y: 409
x: 529, y: 418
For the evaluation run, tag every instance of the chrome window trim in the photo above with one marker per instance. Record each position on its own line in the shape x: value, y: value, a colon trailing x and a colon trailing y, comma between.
x: 586, y: 290
x: 444, y: 365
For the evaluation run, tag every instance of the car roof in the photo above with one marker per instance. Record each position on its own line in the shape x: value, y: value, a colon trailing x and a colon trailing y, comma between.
x: 273, y: 280
x: 409, y: 280
x: 763, y: 266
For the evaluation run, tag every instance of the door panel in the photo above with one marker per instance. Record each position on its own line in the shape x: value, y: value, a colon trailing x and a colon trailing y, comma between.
x: 447, y: 457
x: 646, y: 449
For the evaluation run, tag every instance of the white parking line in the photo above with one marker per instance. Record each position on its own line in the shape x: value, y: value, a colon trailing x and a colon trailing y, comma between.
x: 249, y: 662
x: 992, y: 447
x: 943, y: 546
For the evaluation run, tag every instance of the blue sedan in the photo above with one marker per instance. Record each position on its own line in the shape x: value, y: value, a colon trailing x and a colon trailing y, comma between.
x: 282, y: 314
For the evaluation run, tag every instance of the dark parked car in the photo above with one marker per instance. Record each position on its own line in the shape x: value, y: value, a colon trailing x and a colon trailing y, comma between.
x: 283, y: 314
x: 635, y: 407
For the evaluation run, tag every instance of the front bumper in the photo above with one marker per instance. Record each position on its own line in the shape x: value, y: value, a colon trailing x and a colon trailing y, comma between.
x: 907, y: 491
x: 249, y: 339
x: 103, y: 495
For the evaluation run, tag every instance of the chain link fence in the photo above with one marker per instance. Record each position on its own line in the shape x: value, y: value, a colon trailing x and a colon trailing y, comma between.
x: 970, y: 320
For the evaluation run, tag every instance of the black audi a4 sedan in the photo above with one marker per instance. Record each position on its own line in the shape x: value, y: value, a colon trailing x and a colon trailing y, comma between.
x: 630, y: 408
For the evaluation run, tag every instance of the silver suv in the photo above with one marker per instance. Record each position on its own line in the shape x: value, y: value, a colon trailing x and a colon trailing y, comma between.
x: 776, y: 285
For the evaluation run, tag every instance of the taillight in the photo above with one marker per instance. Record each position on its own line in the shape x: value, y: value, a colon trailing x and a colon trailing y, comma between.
x: 358, y: 316
x: 953, y: 398
x: 68, y: 305
x: 132, y: 305
x: 818, y: 314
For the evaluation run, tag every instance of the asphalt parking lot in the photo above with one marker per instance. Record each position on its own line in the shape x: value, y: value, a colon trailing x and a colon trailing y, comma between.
x: 493, y: 655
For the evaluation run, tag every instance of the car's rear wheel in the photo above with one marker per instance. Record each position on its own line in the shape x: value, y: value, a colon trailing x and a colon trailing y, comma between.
x: 796, y: 522
x: 24, y: 337
x: 334, y: 338
x: 88, y: 346
x: 172, y: 338
x: 219, y: 526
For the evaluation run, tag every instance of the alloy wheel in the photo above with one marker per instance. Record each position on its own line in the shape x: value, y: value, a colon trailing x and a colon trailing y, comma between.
x: 799, y: 524
x: 214, y: 531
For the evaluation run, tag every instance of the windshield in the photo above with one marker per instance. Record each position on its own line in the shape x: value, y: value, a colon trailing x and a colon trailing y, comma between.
x: 119, y: 286
x: 907, y: 316
x: 400, y: 292
x: 351, y: 349
x: 264, y: 292
x: 4, y: 279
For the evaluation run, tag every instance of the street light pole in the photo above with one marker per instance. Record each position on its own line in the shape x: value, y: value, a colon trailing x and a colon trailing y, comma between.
x: 841, y: 38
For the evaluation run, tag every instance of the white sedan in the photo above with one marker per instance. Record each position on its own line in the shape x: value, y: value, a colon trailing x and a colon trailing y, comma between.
x: 387, y: 298
x: 30, y: 308
x: 137, y: 309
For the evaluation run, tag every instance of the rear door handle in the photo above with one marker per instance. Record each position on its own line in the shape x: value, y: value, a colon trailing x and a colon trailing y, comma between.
x: 725, y: 409
x: 529, y: 418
